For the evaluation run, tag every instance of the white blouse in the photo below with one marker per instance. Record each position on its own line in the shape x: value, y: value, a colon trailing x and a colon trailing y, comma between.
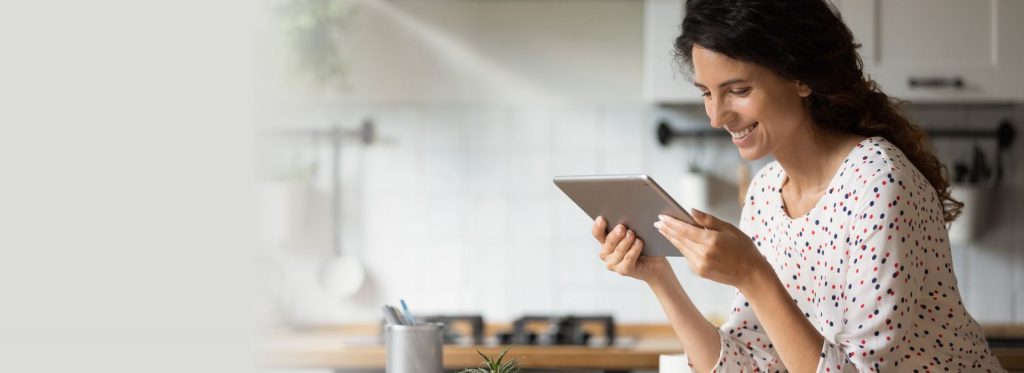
x: 869, y: 266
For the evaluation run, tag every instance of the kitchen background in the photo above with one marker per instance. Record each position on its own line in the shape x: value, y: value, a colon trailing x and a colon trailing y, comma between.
x: 477, y: 104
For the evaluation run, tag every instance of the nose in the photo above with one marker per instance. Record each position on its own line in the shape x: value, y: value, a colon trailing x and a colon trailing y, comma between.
x: 718, y: 112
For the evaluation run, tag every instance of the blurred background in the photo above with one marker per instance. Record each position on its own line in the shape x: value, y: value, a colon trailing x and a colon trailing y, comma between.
x: 236, y: 185
x: 406, y: 150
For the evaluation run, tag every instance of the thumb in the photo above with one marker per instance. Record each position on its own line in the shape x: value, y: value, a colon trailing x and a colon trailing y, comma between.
x: 706, y: 219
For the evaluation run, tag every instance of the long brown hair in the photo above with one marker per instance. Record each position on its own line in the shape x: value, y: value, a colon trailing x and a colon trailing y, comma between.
x: 807, y: 41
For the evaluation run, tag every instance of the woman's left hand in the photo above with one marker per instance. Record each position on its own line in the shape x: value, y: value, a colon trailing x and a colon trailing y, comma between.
x: 719, y: 252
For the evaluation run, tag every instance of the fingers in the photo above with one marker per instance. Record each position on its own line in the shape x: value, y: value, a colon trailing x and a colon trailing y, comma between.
x: 682, y: 241
x: 705, y: 219
x: 694, y: 252
x: 634, y: 252
x: 612, y: 240
x: 600, y: 225
x: 620, y: 249
x: 689, y: 248
x: 674, y: 227
x: 625, y: 243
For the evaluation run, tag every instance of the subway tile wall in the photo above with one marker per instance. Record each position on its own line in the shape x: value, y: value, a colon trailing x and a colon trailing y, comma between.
x: 453, y: 209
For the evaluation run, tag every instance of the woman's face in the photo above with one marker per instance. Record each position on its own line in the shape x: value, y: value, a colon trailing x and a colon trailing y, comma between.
x: 760, y: 110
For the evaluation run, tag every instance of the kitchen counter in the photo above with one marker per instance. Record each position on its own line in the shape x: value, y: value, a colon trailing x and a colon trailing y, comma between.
x: 354, y: 347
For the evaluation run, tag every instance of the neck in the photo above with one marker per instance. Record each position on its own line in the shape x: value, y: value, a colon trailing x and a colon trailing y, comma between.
x: 811, y: 159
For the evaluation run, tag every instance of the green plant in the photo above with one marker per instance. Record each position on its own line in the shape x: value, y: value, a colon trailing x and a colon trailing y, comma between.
x: 311, y: 32
x: 495, y: 365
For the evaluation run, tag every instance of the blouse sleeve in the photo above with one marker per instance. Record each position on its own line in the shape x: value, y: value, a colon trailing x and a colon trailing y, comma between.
x: 888, y: 235
x: 744, y: 344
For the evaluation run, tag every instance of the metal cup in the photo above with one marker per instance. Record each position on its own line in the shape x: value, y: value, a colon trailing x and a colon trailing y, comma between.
x: 414, y: 348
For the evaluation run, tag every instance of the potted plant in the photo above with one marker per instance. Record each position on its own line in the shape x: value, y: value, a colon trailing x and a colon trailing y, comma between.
x: 494, y: 365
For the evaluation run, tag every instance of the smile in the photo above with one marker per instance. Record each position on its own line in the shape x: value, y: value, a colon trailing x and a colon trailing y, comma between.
x: 740, y: 134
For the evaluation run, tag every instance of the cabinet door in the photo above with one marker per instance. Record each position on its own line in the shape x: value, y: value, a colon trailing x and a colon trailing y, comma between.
x: 664, y: 81
x: 940, y: 50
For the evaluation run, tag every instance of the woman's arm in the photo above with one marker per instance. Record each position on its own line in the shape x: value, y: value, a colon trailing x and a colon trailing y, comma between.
x: 796, y: 340
x: 699, y: 338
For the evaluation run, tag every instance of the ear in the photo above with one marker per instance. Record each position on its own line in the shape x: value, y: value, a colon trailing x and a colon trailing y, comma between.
x: 802, y: 89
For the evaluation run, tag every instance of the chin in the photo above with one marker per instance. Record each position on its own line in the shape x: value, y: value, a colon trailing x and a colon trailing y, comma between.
x: 752, y: 154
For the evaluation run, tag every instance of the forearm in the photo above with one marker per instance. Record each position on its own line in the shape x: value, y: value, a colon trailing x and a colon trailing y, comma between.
x: 699, y: 337
x: 795, y: 339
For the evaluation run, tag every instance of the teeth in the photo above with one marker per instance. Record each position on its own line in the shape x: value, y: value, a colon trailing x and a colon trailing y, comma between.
x: 743, y: 133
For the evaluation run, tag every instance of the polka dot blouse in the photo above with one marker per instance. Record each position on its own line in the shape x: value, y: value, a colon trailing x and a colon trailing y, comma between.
x: 869, y: 266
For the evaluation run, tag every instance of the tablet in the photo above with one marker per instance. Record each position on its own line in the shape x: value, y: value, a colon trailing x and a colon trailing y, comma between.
x: 631, y: 200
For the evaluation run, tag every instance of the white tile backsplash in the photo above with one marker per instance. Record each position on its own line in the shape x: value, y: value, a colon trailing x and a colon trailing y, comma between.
x: 487, y: 172
x: 443, y: 169
x: 623, y: 161
x: 486, y: 129
x: 444, y: 212
x: 529, y: 129
x: 577, y: 130
x: 625, y: 128
x: 576, y: 162
x: 458, y: 213
x: 441, y: 129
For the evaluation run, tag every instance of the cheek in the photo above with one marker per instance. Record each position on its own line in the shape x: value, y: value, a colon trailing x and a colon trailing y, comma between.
x: 752, y: 108
x: 781, y: 116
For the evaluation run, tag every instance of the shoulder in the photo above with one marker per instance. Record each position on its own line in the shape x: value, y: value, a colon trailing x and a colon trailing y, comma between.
x: 877, y: 162
x: 876, y: 157
x: 878, y: 170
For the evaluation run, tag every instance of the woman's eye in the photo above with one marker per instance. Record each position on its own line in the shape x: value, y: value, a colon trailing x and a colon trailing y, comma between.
x: 741, y: 91
x: 705, y: 94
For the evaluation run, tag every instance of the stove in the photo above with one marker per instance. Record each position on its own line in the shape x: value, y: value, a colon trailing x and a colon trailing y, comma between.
x: 571, y: 330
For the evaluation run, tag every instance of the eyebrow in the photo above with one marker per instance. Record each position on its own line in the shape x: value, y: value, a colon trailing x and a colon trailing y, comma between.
x: 725, y: 83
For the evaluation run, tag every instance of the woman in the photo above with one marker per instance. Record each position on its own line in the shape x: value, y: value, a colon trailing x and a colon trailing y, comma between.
x: 841, y: 259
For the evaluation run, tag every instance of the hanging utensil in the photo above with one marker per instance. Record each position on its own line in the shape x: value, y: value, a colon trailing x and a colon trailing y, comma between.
x: 960, y: 172
x: 980, y: 170
x: 341, y: 276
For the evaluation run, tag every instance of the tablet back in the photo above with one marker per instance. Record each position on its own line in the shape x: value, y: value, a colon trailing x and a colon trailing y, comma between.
x: 632, y: 200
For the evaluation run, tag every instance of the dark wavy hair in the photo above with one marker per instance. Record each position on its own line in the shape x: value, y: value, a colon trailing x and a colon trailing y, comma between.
x: 807, y: 41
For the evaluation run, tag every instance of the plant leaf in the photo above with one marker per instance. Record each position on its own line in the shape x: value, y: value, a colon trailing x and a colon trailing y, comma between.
x: 510, y: 367
x: 502, y: 355
x: 486, y: 359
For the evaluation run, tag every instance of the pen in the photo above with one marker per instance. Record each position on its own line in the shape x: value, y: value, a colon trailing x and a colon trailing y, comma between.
x: 408, y: 315
x: 395, y: 315
x: 389, y: 317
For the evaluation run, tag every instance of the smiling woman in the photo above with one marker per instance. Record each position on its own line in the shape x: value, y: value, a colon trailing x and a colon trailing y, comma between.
x: 841, y: 259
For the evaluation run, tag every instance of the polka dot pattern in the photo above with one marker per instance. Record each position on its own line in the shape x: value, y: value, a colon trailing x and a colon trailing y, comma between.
x: 869, y: 265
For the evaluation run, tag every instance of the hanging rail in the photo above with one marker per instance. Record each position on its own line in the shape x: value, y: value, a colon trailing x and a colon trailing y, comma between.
x: 366, y: 133
x: 1004, y: 133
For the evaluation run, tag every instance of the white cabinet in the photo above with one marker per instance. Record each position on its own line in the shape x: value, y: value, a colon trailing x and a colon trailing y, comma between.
x: 919, y: 50
x: 941, y: 50
x: 664, y: 81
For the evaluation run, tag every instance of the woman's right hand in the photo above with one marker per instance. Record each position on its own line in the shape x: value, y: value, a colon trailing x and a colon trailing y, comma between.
x: 620, y: 251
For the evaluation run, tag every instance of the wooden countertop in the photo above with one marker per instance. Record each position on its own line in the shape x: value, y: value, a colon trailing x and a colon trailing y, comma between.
x: 352, y: 347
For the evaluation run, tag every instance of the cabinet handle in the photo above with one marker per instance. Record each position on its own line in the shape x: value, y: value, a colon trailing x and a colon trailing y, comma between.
x: 936, y: 82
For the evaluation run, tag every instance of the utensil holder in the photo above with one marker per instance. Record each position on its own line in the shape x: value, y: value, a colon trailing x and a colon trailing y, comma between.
x: 694, y: 191
x: 414, y: 348
x: 966, y: 227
